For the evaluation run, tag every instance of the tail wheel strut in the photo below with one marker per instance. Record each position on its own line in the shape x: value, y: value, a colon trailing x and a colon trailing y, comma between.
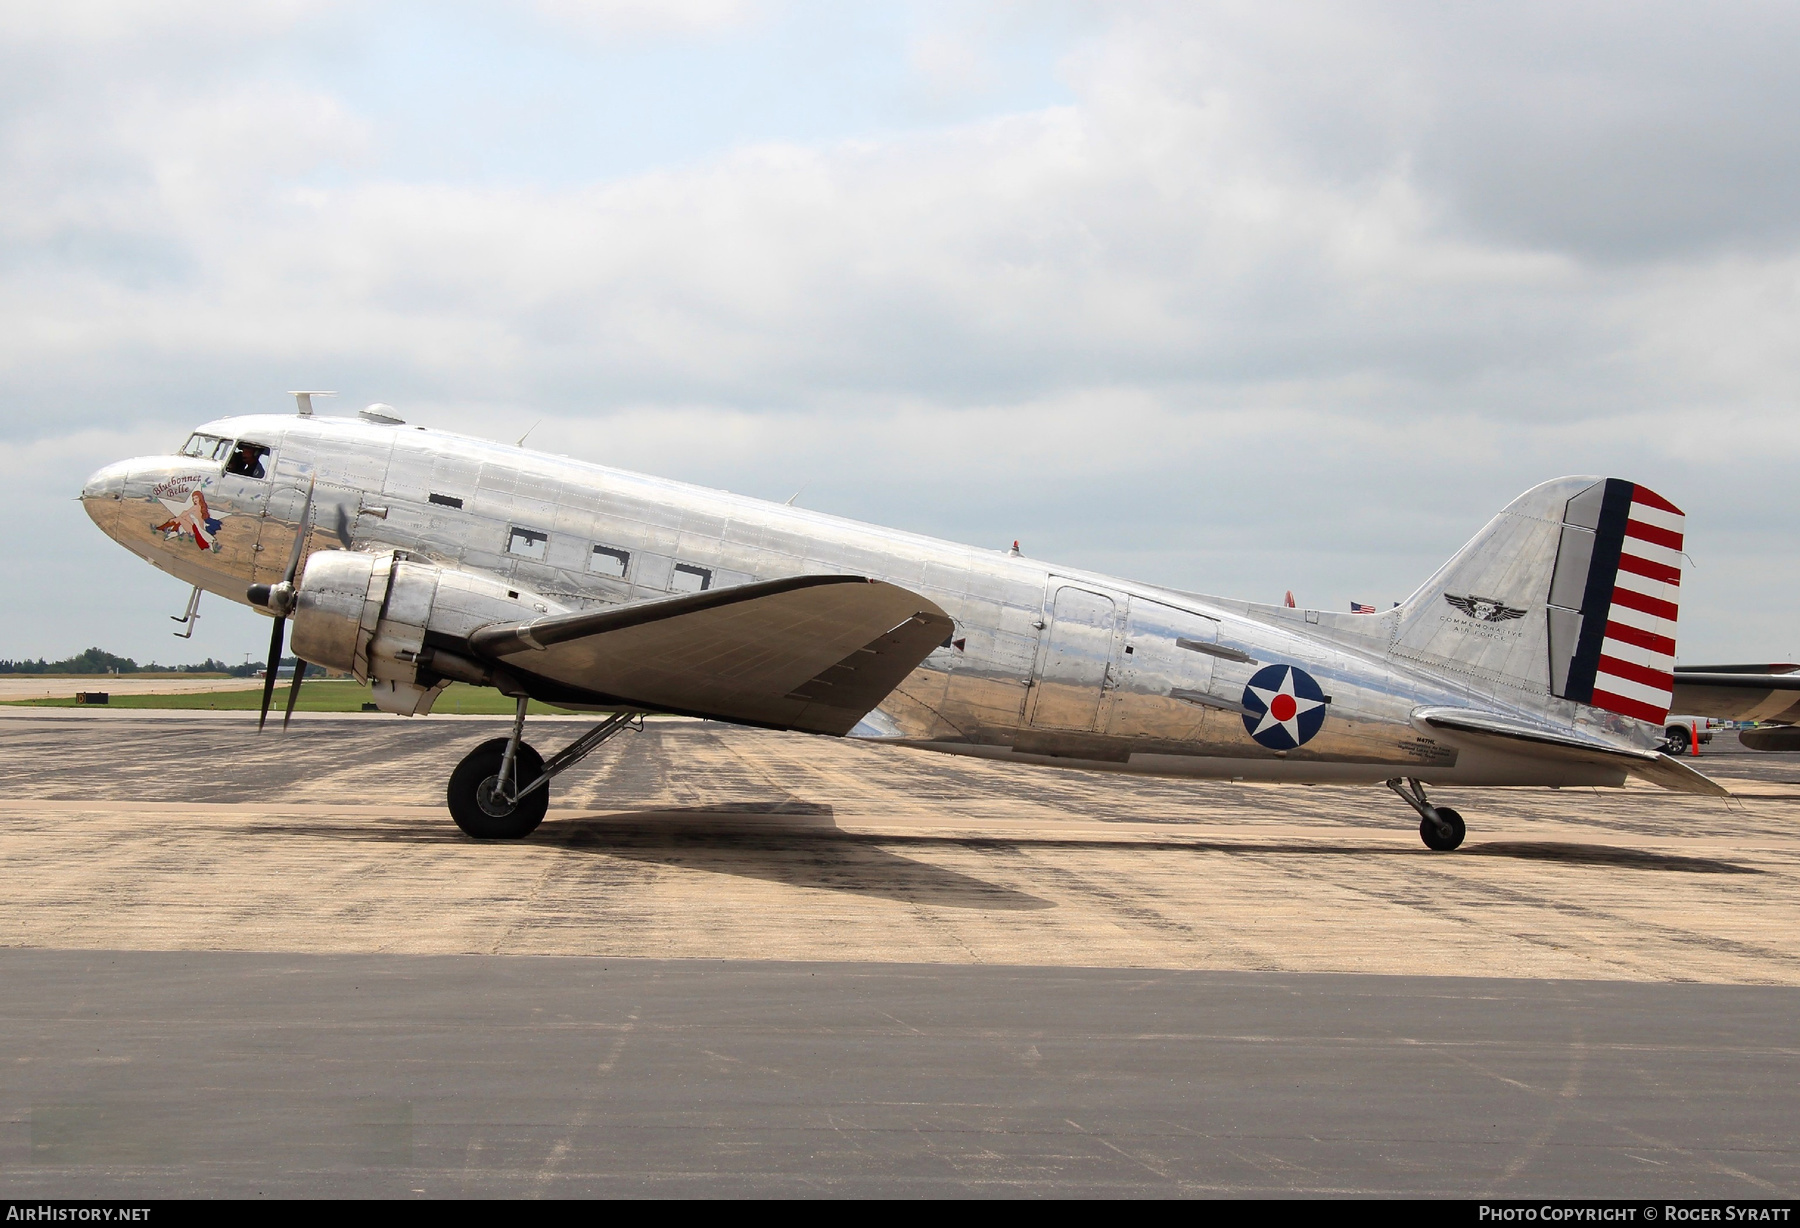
x: 1441, y: 828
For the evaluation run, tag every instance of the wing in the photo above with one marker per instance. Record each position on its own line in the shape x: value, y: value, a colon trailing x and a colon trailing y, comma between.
x: 807, y: 652
x: 1735, y: 696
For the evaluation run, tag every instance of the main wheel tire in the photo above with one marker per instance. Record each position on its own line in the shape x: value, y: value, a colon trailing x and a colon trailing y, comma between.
x: 474, y: 808
x: 1435, y: 839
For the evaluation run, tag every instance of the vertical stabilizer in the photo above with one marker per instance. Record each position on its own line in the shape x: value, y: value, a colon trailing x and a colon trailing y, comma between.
x: 1570, y: 592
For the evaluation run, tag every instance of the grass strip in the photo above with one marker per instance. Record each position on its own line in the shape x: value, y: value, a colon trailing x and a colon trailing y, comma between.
x: 315, y: 696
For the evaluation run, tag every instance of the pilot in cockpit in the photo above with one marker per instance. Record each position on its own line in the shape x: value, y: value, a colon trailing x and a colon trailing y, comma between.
x: 247, y: 460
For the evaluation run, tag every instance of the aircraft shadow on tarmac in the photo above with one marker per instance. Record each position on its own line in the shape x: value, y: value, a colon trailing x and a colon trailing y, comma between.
x: 794, y: 843
x: 809, y: 832
x: 800, y: 844
x: 1607, y: 855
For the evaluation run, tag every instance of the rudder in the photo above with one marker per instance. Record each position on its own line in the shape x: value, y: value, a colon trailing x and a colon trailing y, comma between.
x: 1614, y: 600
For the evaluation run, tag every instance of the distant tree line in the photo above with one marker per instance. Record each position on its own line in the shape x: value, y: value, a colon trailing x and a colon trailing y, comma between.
x: 97, y: 661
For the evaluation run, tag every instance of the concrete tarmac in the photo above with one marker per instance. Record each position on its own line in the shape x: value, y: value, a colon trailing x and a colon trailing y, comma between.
x: 207, y: 1074
x: 742, y: 962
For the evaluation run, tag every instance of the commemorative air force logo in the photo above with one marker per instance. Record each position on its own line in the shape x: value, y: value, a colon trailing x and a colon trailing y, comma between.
x: 1486, y: 609
x: 1283, y: 707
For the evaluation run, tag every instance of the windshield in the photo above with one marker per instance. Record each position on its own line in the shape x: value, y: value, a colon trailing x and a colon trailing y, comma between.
x: 206, y: 447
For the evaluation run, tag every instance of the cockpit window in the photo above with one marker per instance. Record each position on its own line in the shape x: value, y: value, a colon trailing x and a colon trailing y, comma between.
x: 247, y: 460
x: 206, y: 447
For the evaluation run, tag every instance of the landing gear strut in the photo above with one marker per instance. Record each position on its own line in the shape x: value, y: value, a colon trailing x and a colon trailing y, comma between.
x: 1440, y: 827
x: 501, y: 789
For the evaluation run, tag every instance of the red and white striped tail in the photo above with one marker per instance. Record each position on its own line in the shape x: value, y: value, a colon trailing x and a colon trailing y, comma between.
x: 1635, y: 674
x: 1613, y: 630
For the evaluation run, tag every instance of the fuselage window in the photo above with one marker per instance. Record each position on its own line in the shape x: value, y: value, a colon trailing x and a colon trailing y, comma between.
x: 446, y: 500
x: 247, y: 460
x: 609, y: 561
x: 528, y: 543
x: 690, y: 579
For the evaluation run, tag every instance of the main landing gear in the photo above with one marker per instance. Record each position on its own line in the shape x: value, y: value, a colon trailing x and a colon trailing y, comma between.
x: 1440, y: 827
x: 501, y: 789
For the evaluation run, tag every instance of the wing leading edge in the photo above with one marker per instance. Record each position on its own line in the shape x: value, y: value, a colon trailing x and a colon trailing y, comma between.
x: 808, y: 652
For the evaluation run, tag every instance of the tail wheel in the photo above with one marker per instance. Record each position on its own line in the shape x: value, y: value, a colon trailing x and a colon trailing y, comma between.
x: 1436, y: 838
x: 483, y: 812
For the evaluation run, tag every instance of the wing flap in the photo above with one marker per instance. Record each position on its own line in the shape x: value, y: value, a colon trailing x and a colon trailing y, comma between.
x: 1494, y: 728
x: 807, y: 652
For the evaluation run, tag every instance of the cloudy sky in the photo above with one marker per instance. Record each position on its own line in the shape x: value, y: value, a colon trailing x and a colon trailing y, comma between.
x: 1232, y: 297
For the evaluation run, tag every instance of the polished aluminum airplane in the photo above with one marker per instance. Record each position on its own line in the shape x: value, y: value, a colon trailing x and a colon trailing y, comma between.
x: 1541, y: 654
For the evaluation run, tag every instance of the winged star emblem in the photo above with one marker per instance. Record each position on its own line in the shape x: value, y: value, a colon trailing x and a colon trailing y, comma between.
x: 1283, y: 707
x: 1487, y: 609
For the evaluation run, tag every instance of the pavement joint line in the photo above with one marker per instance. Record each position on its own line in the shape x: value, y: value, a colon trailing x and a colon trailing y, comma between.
x: 673, y: 817
x: 1158, y: 831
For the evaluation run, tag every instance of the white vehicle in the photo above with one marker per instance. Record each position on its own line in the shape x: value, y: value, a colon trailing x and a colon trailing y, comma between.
x: 1541, y: 654
x: 1681, y: 731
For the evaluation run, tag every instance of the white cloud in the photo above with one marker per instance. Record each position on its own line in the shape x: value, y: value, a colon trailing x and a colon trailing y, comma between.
x: 613, y: 19
x: 92, y: 22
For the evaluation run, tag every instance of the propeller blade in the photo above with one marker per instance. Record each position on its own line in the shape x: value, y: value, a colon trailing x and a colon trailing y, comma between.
x: 275, y: 642
x: 300, y: 533
x: 293, y: 691
x: 279, y: 634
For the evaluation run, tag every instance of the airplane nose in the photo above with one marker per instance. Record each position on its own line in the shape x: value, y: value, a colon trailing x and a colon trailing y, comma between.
x: 107, y: 483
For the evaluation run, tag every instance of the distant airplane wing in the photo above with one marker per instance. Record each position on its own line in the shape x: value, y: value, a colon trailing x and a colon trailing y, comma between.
x: 1498, y: 731
x: 806, y: 652
x: 1729, y: 693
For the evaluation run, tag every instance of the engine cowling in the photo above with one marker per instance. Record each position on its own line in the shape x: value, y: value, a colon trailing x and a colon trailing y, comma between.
x: 369, y: 614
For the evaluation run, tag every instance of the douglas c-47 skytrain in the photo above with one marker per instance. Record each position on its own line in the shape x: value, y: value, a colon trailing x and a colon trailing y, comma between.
x: 1541, y: 654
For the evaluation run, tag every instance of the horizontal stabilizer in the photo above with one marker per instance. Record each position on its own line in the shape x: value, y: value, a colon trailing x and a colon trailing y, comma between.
x: 1672, y: 773
x: 1499, y: 730
x: 806, y: 652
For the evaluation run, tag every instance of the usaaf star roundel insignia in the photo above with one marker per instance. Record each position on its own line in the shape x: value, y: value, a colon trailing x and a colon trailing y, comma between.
x: 1283, y: 707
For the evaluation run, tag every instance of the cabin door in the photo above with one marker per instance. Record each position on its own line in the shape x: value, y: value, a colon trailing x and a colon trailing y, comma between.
x: 1075, y: 665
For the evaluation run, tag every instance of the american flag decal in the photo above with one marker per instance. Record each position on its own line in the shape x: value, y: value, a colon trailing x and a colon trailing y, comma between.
x: 1612, y: 629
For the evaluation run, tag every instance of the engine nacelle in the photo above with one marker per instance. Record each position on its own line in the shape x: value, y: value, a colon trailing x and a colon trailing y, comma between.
x: 369, y: 614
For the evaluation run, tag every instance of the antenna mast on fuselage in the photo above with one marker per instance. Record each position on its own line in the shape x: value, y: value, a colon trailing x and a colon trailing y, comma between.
x: 303, y: 400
